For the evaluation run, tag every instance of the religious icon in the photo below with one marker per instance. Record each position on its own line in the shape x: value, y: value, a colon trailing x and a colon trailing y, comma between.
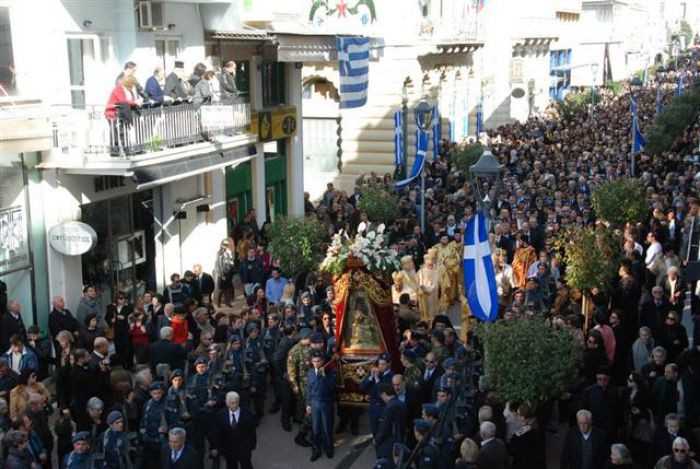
x: 362, y: 330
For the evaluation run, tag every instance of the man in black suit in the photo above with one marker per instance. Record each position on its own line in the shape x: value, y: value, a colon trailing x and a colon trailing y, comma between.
x: 653, y: 311
x: 584, y: 446
x: 165, y: 351
x: 392, y: 422
x: 11, y: 323
x: 493, y: 453
x: 206, y: 282
x: 320, y: 403
x: 602, y: 400
x: 432, y: 372
x: 178, y: 455
x: 413, y: 401
x: 662, y: 444
x: 234, y: 434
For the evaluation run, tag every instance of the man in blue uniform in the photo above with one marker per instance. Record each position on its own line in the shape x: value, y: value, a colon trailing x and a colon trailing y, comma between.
x: 380, y: 374
x: 176, y: 413
x: 200, y: 404
x: 79, y: 458
x: 320, y: 401
x: 111, y: 449
x: 154, y: 428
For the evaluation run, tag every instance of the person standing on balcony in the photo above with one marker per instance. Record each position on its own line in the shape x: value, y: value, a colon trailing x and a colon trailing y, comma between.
x: 130, y: 71
x: 176, y: 86
x: 204, y: 90
x: 154, y: 86
x: 227, y: 80
x: 197, y: 74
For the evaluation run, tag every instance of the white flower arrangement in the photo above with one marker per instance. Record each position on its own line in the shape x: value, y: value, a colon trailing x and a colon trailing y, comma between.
x: 371, y: 250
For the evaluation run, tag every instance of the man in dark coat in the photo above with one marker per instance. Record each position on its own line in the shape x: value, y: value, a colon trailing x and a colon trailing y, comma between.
x: 413, y: 401
x: 653, y: 311
x: 165, y: 351
x: 662, y: 443
x: 392, y: 423
x: 320, y: 400
x: 251, y: 271
x: 380, y: 374
x: 176, y: 87
x: 432, y: 373
x: 493, y: 453
x: 602, y: 400
x: 584, y: 446
x: 11, y: 324
x: 205, y: 281
x: 234, y: 424
x: 178, y: 454
x: 61, y: 319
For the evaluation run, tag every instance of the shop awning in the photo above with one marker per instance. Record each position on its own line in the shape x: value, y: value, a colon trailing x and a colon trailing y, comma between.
x: 151, y: 176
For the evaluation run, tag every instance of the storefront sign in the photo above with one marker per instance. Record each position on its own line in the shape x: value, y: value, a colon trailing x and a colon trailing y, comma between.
x: 274, y: 124
x: 14, y: 250
x: 72, y: 238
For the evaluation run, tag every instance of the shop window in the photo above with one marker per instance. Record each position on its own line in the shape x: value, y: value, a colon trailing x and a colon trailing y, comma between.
x: 273, y: 84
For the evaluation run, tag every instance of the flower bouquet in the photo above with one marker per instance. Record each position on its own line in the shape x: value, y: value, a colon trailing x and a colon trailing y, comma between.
x: 369, y: 251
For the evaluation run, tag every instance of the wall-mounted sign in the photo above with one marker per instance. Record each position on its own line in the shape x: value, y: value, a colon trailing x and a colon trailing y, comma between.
x: 14, y: 250
x: 72, y: 238
x: 274, y: 124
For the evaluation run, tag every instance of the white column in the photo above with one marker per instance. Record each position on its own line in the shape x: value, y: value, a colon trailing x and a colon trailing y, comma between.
x: 257, y: 163
x: 295, y: 153
x: 65, y: 273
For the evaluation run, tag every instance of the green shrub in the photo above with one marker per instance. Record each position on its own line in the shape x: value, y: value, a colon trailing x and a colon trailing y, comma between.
x: 621, y: 201
x: 380, y: 205
x: 526, y: 360
x: 298, y: 243
x: 465, y: 155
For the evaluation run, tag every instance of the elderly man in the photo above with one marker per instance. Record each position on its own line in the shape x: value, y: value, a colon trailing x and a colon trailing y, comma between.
x: 584, y: 446
x: 61, y: 319
x: 178, y: 454
x: 234, y: 424
x: 680, y: 457
x: 673, y: 287
x: 11, y: 324
x: 493, y: 452
x: 165, y: 351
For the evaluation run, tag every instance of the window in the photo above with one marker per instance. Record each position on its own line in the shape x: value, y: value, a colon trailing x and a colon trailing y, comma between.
x: 77, y: 51
x: 167, y: 50
x: 273, y: 84
x: 7, y: 65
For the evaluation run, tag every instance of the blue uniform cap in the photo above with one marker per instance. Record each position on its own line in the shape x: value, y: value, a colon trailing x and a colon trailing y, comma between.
x: 80, y: 436
x: 304, y: 333
x: 201, y: 360
x: 461, y: 352
x: 383, y: 464
x: 445, y: 389
x: 316, y: 338
x: 114, y: 416
x: 431, y: 410
x: 422, y: 426
x: 156, y: 386
x: 449, y: 362
x: 234, y: 338
x: 384, y: 357
x: 401, y: 448
x: 177, y: 374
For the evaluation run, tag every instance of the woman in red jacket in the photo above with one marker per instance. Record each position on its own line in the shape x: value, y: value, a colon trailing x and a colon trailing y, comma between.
x: 139, y: 337
x: 118, y: 112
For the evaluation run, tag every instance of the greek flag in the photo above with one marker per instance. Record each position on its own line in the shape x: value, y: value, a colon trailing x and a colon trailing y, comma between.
x: 679, y: 85
x: 638, y: 140
x: 479, y: 277
x: 353, y: 65
x: 479, y: 117
x: 398, y: 137
x: 659, y: 100
x: 418, y: 162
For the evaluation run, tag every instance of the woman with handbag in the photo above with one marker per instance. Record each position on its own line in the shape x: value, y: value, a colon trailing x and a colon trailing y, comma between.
x: 639, y: 425
x: 116, y: 317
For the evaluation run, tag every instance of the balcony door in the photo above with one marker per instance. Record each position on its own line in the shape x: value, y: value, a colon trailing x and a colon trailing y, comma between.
x: 167, y: 50
x: 85, y: 63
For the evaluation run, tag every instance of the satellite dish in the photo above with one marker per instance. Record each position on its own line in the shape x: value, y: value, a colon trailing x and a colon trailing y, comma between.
x: 518, y: 93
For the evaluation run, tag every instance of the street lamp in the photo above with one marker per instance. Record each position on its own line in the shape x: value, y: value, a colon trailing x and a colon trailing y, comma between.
x: 660, y: 74
x: 594, y: 73
x: 424, y: 119
x: 486, y: 172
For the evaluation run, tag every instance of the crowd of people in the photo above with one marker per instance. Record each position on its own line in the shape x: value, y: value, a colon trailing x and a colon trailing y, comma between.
x: 176, y: 378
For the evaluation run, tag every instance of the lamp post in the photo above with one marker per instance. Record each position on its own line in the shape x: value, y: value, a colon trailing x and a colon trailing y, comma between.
x: 660, y: 74
x: 404, y: 126
x: 424, y: 119
x: 638, y: 83
x: 487, y: 170
x: 594, y: 75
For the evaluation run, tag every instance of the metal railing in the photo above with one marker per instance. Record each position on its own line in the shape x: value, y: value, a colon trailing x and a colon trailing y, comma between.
x: 88, y: 133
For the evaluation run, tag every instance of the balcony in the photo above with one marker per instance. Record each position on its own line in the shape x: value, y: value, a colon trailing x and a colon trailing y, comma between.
x: 87, y: 142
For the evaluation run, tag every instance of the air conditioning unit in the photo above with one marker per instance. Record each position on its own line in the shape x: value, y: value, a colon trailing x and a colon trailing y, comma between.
x: 150, y: 15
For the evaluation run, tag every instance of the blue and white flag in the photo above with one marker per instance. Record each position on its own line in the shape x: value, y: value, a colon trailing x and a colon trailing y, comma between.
x: 679, y: 85
x: 398, y: 137
x: 479, y: 117
x: 659, y: 100
x: 638, y: 140
x: 418, y: 162
x: 437, y: 132
x: 465, y: 117
x: 452, y: 117
x: 479, y: 276
x: 353, y: 66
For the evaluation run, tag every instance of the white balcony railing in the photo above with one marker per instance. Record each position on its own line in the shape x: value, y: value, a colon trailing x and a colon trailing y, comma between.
x: 89, y: 134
